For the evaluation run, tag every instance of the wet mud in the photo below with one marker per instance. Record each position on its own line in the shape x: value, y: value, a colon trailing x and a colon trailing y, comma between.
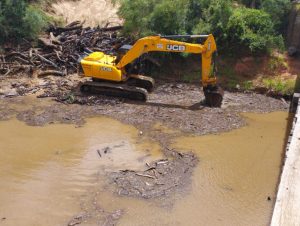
x: 176, y: 105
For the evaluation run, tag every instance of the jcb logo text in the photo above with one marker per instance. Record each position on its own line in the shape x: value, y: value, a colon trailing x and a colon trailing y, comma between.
x: 176, y: 48
x: 106, y: 69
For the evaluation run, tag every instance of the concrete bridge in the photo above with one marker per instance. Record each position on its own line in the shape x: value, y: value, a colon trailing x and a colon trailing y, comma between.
x: 287, y: 205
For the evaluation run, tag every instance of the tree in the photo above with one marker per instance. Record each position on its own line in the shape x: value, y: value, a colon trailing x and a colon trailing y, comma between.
x: 256, y: 29
x: 145, y: 17
x: 19, y: 20
x: 278, y: 10
x: 253, y: 30
x: 214, y: 18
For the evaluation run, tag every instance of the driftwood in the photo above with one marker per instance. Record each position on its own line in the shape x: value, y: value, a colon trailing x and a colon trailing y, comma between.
x: 50, y: 72
x: 58, y: 51
x: 47, y: 43
x: 47, y: 61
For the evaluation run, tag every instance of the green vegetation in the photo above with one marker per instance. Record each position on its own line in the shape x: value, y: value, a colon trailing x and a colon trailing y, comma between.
x: 252, y: 29
x: 247, y: 25
x: 247, y: 85
x: 285, y: 87
x: 19, y: 19
x: 192, y: 76
x: 277, y: 62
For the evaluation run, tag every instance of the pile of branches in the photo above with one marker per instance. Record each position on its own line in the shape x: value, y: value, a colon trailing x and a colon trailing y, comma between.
x: 57, y: 52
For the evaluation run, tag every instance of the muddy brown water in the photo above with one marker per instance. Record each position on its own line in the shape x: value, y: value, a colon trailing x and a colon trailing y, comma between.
x: 46, y: 171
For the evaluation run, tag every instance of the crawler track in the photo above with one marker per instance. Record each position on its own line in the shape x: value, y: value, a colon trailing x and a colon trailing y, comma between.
x: 116, y: 90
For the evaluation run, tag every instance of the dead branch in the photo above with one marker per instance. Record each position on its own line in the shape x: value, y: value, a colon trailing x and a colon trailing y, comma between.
x: 145, y: 175
x: 61, y: 48
x: 46, y: 60
x: 50, y: 72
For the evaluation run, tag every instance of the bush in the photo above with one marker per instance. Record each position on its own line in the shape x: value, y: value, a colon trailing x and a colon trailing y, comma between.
x: 19, y: 20
x: 35, y: 21
x: 279, y: 11
x: 169, y: 17
x: 253, y: 30
x: 233, y: 25
x: 214, y: 18
x: 145, y: 17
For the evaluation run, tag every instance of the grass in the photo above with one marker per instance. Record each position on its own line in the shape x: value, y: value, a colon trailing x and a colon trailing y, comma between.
x: 191, y: 76
x: 285, y: 87
x: 247, y: 85
x: 228, y: 77
x: 276, y: 62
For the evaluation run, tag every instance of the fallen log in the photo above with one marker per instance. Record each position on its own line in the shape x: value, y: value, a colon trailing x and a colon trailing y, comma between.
x: 14, y: 54
x: 22, y: 60
x: 59, y: 30
x: 74, y: 23
x: 47, y: 43
x: 50, y: 72
x: 61, y: 47
x: 46, y: 60
x: 7, y: 72
x: 114, y: 28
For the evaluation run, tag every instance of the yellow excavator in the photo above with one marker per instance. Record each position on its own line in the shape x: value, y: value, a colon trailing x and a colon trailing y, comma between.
x: 118, y: 75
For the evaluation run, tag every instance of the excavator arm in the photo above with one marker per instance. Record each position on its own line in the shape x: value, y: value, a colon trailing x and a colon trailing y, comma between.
x: 164, y: 44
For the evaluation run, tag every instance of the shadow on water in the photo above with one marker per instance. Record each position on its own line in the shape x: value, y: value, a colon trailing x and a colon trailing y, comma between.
x: 195, y: 107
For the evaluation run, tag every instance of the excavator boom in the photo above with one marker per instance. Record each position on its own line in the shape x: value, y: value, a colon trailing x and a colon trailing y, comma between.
x: 163, y: 44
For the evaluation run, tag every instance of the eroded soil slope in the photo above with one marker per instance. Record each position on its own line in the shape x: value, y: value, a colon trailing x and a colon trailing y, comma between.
x: 93, y: 12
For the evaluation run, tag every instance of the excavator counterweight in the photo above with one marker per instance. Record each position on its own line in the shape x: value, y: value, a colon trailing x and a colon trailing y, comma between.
x: 117, y: 75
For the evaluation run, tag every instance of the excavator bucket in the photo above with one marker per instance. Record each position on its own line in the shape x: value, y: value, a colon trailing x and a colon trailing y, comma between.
x: 213, y: 96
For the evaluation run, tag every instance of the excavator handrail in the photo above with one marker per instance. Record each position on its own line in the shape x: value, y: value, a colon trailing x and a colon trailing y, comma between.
x: 183, y: 36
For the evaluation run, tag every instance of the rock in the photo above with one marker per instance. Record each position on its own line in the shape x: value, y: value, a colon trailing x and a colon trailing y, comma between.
x: 9, y: 92
x: 42, y: 82
x: 261, y: 89
x: 292, y: 51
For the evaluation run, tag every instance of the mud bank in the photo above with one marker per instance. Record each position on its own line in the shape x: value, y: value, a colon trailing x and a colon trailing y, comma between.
x: 176, y: 105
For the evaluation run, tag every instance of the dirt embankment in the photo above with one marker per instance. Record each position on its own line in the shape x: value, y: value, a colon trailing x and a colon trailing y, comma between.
x: 93, y: 12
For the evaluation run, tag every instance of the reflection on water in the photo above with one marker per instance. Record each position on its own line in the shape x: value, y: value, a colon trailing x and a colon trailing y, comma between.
x: 44, y: 170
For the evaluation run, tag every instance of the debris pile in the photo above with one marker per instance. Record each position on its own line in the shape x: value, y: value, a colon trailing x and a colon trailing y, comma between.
x: 58, y: 50
x: 160, y: 178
